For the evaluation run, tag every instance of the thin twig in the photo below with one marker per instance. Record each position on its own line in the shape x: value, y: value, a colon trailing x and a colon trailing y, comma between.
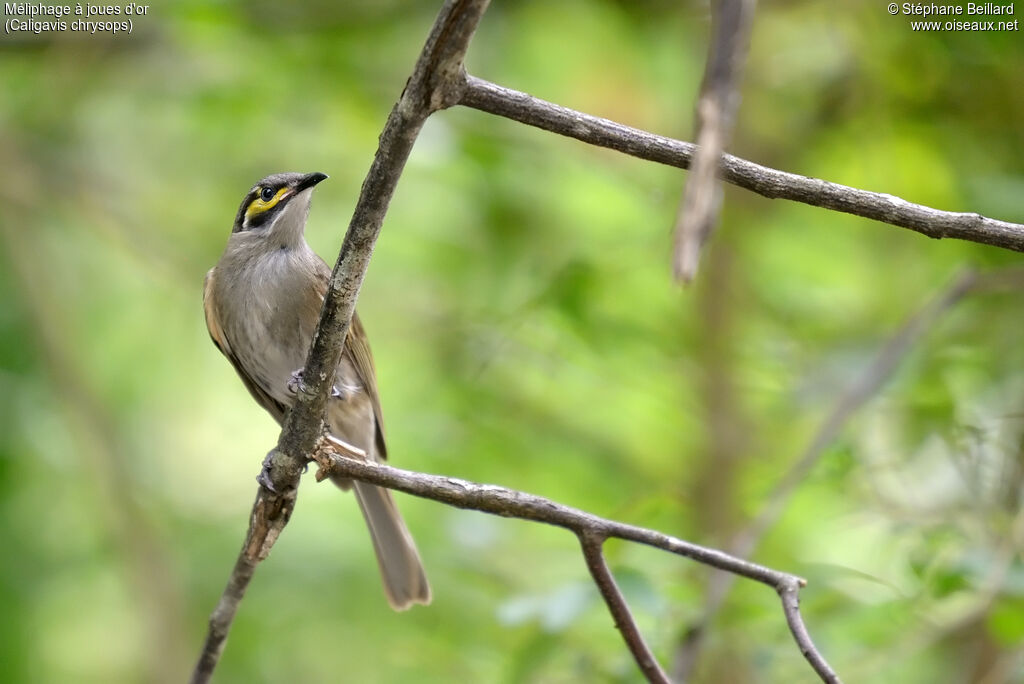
x: 716, y: 113
x: 510, y: 503
x: 790, y: 596
x: 765, y: 181
x: 434, y: 84
x: 592, y: 544
x: 853, y: 398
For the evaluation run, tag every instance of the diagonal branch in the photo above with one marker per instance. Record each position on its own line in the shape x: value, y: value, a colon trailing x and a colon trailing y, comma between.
x: 434, y: 84
x: 591, y: 530
x: 765, y: 181
x: 790, y: 596
x: 860, y: 392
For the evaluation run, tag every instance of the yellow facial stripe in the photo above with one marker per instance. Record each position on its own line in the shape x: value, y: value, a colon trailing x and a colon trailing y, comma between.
x: 258, y: 206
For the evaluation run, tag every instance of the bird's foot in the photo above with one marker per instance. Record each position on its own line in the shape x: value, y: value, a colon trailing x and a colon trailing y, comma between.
x: 297, y: 386
x: 264, y: 478
x: 295, y: 383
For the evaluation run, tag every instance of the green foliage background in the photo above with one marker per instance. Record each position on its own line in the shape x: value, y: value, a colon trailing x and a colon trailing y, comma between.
x: 526, y: 333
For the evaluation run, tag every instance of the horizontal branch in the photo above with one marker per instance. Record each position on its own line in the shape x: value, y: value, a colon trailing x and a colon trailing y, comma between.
x: 765, y: 181
x: 510, y: 503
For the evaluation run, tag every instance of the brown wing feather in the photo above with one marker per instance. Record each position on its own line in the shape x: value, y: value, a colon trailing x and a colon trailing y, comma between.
x: 357, y: 350
x: 274, y: 407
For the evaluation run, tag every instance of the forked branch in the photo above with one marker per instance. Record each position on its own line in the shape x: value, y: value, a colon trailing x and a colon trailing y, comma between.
x: 592, y: 544
x: 592, y: 532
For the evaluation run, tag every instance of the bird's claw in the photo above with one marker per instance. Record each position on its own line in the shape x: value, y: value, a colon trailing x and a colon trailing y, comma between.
x: 295, y: 383
x: 297, y: 386
x: 266, y: 481
x: 264, y: 478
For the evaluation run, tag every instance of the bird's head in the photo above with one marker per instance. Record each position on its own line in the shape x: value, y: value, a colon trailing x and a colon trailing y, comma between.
x: 278, y: 206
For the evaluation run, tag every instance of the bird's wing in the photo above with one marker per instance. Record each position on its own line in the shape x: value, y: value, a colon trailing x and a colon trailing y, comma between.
x: 357, y: 351
x: 274, y: 407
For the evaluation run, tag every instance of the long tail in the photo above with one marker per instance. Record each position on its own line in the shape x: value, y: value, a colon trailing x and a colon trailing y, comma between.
x: 405, y: 582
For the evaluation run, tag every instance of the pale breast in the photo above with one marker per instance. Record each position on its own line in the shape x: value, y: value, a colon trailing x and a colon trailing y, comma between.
x: 271, y: 331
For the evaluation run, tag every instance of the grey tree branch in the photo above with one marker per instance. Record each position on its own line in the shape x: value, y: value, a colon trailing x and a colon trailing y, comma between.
x: 790, y: 595
x: 716, y: 112
x: 765, y: 181
x: 592, y: 531
x: 865, y: 387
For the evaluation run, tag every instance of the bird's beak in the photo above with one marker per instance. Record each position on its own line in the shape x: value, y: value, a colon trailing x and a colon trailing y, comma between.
x: 304, y: 183
x: 308, y: 181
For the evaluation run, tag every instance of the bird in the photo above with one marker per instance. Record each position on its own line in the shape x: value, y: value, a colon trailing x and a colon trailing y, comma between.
x: 262, y: 302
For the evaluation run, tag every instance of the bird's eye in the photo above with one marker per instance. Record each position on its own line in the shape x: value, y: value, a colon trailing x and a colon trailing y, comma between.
x: 266, y: 194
